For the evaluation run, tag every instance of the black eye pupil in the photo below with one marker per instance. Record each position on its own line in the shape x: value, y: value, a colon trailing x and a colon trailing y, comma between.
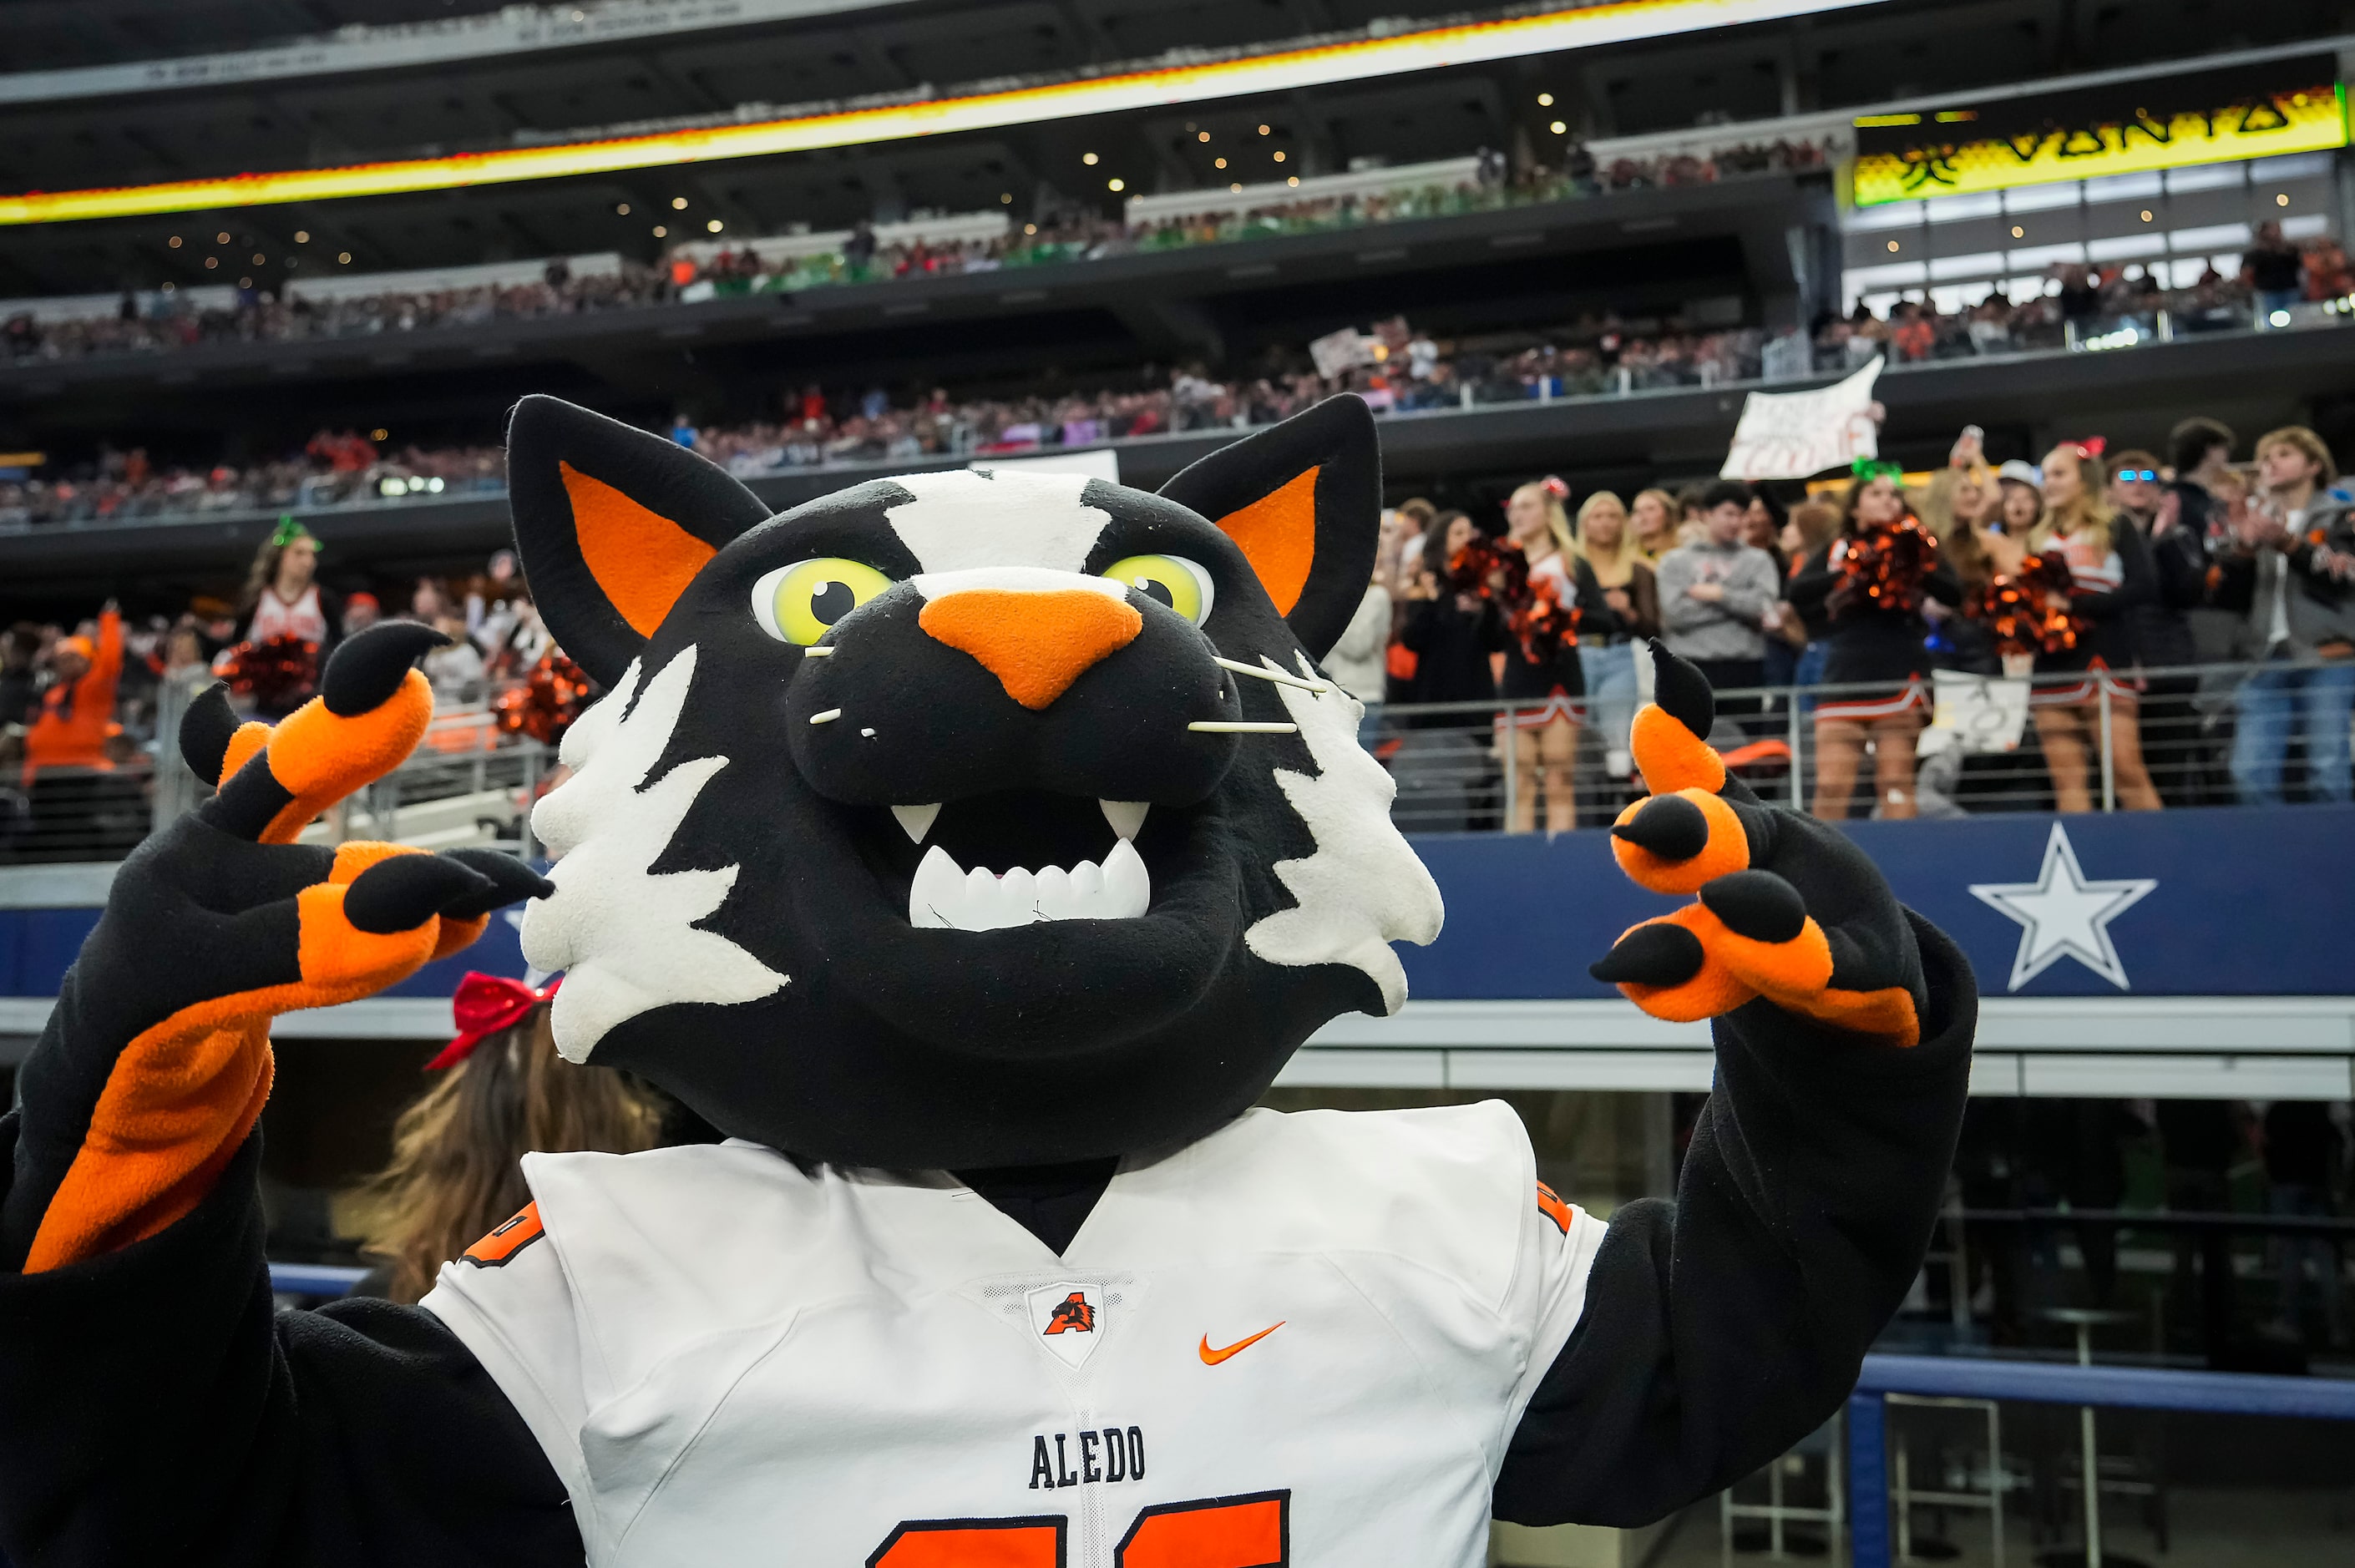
x: 831, y: 603
x: 1159, y: 590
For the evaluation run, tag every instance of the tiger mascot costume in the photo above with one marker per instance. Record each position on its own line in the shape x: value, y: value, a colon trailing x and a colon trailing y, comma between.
x: 973, y: 849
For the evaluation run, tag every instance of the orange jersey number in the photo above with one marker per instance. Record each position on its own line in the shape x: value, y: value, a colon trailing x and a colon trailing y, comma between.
x: 1251, y: 1531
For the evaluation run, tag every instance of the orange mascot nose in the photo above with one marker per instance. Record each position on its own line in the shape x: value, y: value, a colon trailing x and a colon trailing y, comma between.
x: 1036, y: 644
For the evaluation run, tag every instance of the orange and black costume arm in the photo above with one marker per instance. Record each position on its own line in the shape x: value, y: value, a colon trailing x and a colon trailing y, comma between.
x: 154, y: 1405
x: 1722, y: 1326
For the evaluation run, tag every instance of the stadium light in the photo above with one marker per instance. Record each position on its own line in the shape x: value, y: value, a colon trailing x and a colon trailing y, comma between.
x: 1283, y: 70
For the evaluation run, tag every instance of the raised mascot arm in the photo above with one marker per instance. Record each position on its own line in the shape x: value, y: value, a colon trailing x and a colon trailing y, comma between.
x: 152, y: 1405
x: 1723, y: 1326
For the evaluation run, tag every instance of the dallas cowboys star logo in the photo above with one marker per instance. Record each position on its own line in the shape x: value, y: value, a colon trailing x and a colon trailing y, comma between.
x: 2062, y: 914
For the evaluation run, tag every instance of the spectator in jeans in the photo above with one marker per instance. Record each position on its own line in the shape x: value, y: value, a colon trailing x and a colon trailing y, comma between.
x: 1714, y: 595
x: 2290, y: 568
x: 2275, y: 271
x: 2170, y: 721
x: 1633, y: 596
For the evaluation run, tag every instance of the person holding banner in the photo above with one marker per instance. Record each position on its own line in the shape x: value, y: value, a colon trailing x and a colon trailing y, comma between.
x: 2110, y: 573
x: 1871, y: 585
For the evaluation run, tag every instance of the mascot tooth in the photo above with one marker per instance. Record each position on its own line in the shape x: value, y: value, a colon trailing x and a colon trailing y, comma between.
x: 974, y: 850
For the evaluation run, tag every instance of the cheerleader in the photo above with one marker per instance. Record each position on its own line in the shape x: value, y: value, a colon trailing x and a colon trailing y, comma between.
x: 286, y: 623
x: 1541, y: 661
x: 1876, y: 642
x: 2110, y: 573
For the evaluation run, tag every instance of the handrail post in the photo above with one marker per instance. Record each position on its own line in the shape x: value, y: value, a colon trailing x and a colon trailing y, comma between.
x: 524, y: 846
x: 2109, y: 758
x: 1868, y: 1480
x: 172, y: 774
x: 1510, y: 749
x: 1798, y: 796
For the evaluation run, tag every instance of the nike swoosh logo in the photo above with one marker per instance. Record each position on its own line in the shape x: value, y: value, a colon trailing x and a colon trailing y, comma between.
x: 1211, y: 1358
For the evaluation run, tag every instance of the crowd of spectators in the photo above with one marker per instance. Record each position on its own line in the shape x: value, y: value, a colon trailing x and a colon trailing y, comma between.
x: 2177, y: 629
x: 160, y: 321
x: 2096, y: 628
x: 2098, y: 307
x: 1397, y: 369
x: 86, y: 709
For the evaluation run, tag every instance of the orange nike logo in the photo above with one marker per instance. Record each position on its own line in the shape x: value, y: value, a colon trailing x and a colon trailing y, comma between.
x: 1211, y: 1358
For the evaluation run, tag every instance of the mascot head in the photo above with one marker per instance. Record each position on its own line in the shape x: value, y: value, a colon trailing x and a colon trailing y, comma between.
x: 917, y: 829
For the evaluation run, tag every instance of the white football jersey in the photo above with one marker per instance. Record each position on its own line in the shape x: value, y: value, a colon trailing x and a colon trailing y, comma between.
x: 1304, y: 1338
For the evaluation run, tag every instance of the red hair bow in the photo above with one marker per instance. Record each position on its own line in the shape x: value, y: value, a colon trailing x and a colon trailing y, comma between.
x: 484, y: 1005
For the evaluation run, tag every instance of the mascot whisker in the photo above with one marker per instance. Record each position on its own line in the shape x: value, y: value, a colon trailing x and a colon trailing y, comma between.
x: 973, y: 850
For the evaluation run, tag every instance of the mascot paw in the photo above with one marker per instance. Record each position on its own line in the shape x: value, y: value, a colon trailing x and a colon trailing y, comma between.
x: 222, y: 923
x: 1788, y: 909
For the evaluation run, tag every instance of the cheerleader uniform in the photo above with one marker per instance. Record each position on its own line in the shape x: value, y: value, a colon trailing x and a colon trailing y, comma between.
x: 2104, y: 594
x: 1867, y: 645
x: 309, y: 617
x: 1554, y: 683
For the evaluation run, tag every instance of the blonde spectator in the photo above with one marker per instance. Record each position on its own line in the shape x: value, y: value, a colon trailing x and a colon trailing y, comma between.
x: 1608, y: 658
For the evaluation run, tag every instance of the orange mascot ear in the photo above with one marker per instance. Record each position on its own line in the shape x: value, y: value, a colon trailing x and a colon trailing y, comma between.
x: 1302, y: 500
x: 613, y: 524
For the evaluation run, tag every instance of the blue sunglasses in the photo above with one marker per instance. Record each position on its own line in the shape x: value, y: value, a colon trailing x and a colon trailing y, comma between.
x: 2144, y: 474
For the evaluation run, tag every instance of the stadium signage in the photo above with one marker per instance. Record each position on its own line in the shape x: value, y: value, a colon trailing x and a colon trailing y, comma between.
x: 1159, y: 87
x: 2170, y: 122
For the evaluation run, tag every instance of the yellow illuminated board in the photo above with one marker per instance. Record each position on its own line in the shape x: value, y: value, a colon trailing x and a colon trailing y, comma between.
x: 1577, y: 27
x: 1932, y: 164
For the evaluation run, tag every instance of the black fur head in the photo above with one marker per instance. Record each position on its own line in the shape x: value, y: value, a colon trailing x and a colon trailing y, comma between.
x: 784, y: 892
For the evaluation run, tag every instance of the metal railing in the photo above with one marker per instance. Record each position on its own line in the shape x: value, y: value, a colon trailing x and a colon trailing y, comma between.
x: 468, y: 783
x: 2122, y: 741
x: 1980, y: 744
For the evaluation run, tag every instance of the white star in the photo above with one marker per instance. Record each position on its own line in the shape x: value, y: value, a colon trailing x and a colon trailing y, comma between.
x: 2064, y: 917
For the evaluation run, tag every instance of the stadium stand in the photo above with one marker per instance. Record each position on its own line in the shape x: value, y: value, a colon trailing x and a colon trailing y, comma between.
x: 2097, y: 253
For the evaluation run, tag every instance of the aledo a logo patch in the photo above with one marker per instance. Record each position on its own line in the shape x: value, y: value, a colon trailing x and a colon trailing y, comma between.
x: 1068, y: 1319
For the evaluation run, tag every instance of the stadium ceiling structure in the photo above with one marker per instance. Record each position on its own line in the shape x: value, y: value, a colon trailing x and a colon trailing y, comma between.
x: 1010, y: 59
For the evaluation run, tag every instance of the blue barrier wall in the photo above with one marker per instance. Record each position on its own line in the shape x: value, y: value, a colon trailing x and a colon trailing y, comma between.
x: 2226, y: 902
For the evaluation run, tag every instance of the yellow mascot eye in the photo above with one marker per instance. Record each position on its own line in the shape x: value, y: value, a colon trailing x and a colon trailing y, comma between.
x: 1175, y: 582
x: 799, y: 603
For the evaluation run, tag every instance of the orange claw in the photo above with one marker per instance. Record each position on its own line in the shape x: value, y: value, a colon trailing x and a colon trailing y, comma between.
x: 1713, y: 988
x: 1671, y: 757
x: 319, y: 756
x: 1726, y: 849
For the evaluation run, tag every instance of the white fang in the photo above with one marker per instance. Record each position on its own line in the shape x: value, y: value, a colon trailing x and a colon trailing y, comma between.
x: 626, y: 937
x: 917, y: 821
x: 1363, y: 888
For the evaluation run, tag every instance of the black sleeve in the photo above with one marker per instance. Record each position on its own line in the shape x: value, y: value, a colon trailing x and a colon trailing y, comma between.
x: 1723, y: 1326
x: 1810, y: 585
x: 2181, y: 566
x: 1942, y: 584
x: 2138, y: 582
x: 156, y: 1408
x: 1414, y: 629
x: 1595, y: 615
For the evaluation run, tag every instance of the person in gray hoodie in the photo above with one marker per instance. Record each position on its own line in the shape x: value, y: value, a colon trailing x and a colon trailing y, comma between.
x: 2290, y: 568
x: 1714, y: 595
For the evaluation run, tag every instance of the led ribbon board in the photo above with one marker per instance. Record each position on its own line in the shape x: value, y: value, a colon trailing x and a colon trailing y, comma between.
x: 2166, y: 122
x: 1583, y: 26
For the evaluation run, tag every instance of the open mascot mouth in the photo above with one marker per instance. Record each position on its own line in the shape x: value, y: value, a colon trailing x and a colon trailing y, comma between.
x: 1019, y: 858
x: 961, y: 818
